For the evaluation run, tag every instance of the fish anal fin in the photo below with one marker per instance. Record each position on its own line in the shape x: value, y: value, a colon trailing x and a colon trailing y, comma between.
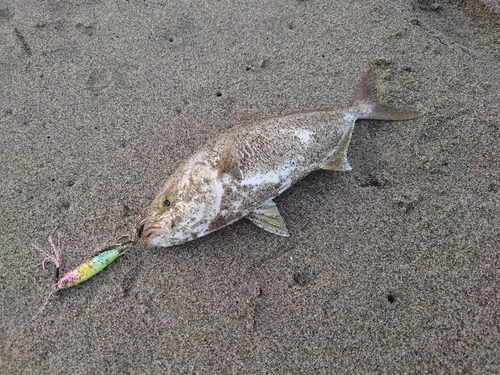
x: 339, y: 162
x: 269, y: 218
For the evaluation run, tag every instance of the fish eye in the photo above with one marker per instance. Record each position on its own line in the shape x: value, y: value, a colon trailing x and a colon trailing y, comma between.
x: 166, y: 201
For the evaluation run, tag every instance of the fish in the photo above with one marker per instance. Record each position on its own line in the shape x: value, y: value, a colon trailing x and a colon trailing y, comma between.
x: 238, y: 174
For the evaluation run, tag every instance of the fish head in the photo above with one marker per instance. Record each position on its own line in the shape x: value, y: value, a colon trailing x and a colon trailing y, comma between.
x: 183, y: 211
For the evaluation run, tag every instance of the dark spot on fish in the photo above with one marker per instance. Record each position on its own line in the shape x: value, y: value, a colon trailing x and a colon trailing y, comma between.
x: 170, y: 40
x: 166, y: 202
x: 218, y: 93
x: 248, y: 68
x: 390, y: 298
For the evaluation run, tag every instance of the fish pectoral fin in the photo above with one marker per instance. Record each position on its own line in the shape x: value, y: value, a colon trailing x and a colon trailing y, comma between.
x: 229, y: 161
x: 339, y: 162
x: 269, y: 218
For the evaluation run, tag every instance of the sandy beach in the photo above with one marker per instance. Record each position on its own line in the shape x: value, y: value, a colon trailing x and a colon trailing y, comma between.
x: 391, y: 268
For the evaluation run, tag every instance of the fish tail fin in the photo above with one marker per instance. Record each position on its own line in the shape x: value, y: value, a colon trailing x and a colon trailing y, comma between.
x: 377, y: 111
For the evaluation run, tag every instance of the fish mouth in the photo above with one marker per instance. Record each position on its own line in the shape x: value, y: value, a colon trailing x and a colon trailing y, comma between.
x: 151, y: 229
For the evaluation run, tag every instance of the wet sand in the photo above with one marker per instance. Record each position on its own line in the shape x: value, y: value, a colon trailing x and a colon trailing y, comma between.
x: 390, y: 268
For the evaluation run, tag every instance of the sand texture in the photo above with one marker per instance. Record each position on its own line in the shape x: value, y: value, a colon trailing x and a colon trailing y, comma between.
x: 392, y: 268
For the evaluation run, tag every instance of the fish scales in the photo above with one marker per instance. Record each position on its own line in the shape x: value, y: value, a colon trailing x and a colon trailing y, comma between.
x: 239, y: 173
x: 281, y: 151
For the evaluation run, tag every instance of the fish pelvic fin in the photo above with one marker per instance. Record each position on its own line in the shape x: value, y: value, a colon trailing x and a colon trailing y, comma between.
x: 377, y: 111
x: 269, y: 218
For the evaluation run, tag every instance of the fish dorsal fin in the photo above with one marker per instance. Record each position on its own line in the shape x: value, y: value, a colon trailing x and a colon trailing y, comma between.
x: 229, y: 161
x: 268, y: 218
x: 339, y: 162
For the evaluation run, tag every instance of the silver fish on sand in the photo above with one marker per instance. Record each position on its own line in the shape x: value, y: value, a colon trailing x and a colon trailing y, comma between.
x: 238, y: 174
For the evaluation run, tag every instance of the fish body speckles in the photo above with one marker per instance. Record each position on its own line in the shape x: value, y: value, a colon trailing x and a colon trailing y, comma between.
x: 239, y: 173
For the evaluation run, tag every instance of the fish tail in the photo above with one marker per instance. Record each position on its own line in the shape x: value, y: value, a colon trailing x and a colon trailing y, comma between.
x: 377, y: 111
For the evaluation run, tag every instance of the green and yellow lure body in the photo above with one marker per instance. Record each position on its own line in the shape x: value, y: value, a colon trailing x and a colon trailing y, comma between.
x: 89, y: 269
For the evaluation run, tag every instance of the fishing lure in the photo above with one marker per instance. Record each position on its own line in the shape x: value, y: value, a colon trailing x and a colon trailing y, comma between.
x: 87, y: 270
x: 84, y: 271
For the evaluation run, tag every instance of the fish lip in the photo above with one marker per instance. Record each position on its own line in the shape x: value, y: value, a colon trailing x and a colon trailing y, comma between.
x: 149, y: 230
